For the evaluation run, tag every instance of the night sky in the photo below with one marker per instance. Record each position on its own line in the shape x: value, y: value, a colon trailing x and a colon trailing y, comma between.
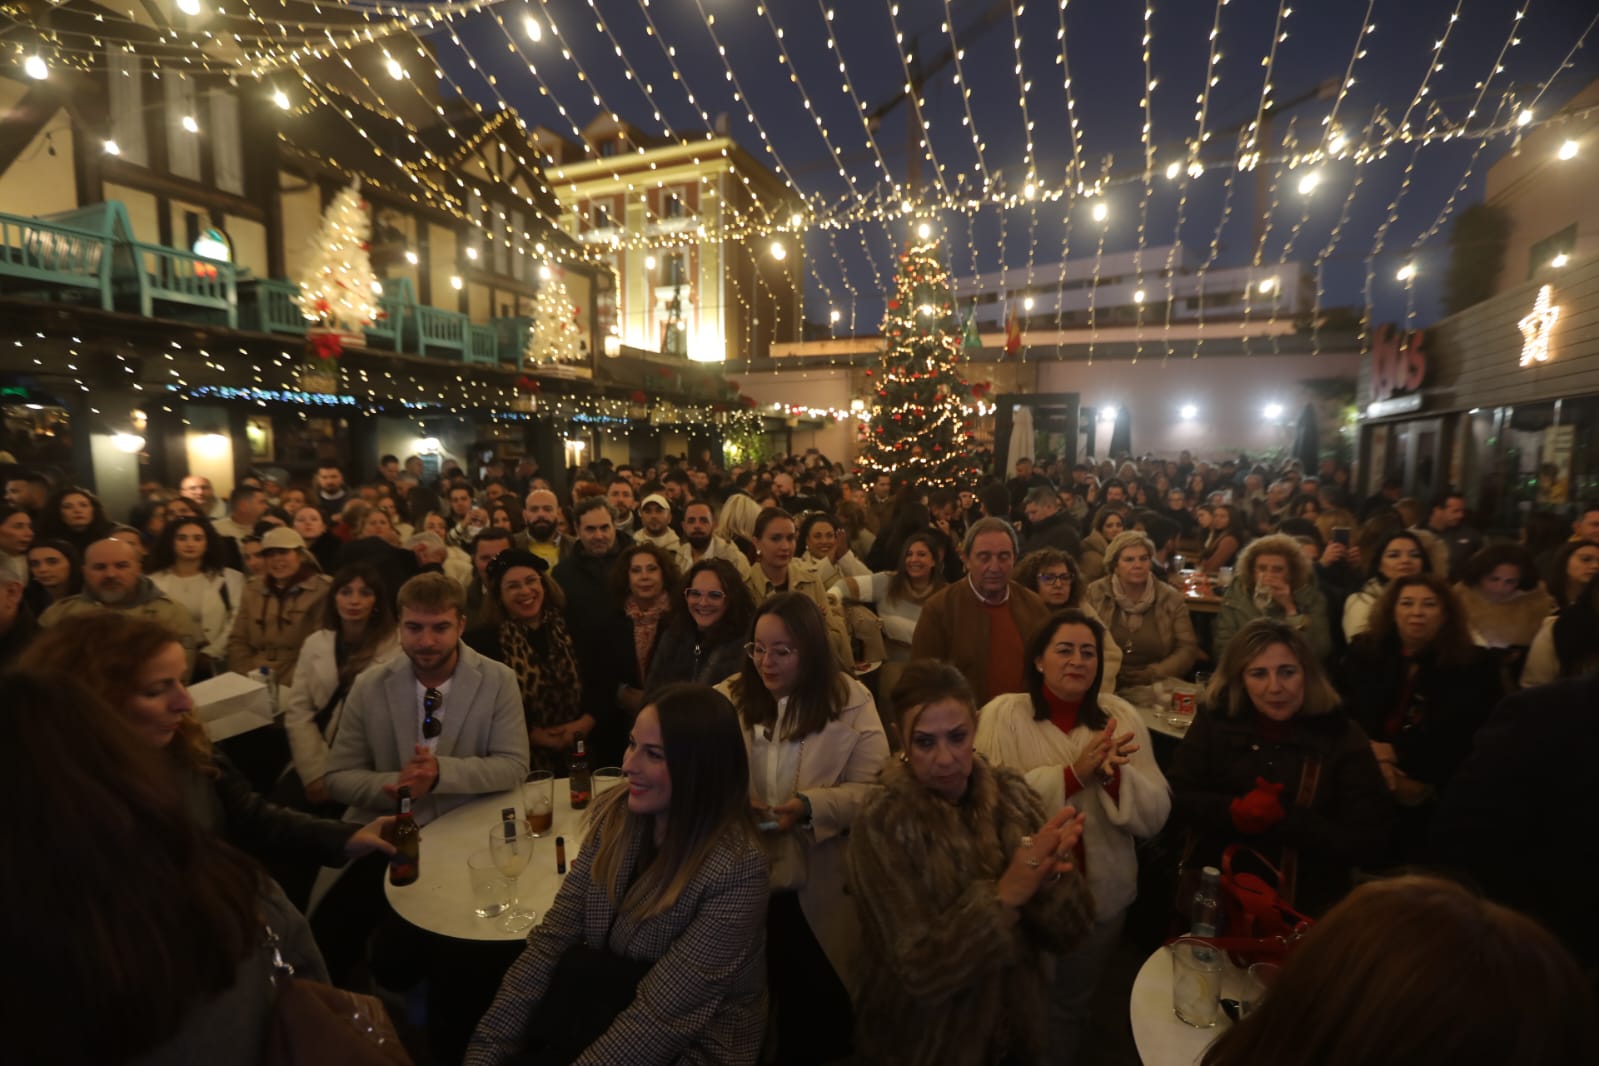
x: 1104, y: 55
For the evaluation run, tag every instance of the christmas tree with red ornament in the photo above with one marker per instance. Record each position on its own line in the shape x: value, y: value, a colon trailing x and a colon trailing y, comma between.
x: 922, y: 408
x: 338, y: 291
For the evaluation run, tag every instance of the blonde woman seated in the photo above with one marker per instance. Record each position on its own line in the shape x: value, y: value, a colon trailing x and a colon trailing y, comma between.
x: 966, y: 884
x: 1275, y: 580
x: 1077, y: 744
x: 1144, y: 616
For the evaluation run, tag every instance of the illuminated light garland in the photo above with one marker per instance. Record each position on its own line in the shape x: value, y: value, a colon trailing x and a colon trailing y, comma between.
x: 1537, y: 326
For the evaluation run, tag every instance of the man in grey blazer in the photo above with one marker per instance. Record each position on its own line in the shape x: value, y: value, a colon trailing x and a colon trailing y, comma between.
x: 444, y: 720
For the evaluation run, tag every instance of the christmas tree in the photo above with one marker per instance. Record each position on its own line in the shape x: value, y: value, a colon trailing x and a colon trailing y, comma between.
x: 921, y: 415
x: 555, y: 339
x: 338, y: 291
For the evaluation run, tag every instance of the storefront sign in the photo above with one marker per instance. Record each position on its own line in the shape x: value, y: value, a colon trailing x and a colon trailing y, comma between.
x: 1398, y: 369
x: 1536, y: 327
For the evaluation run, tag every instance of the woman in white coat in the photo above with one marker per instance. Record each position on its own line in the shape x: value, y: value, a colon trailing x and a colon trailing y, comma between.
x: 358, y: 631
x: 1078, y: 745
x: 816, y: 747
x: 187, y: 565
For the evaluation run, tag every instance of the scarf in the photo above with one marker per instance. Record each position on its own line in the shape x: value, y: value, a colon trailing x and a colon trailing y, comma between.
x: 646, y: 623
x: 1132, y: 610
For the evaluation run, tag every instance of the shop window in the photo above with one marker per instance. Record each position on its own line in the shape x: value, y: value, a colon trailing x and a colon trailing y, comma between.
x: 1544, y: 251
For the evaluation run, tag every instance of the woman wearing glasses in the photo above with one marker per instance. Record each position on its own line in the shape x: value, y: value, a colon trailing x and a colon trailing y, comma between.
x: 524, y: 628
x: 1058, y: 580
x: 703, y: 639
x: 816, y: 747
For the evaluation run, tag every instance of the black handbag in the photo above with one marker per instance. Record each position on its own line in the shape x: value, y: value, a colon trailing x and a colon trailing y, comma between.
x: 589, y: 988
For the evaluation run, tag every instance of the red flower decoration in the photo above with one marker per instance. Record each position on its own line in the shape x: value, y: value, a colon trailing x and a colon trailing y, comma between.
x: 326, y: 345
x: 529, y: 384
x: 637, y: 396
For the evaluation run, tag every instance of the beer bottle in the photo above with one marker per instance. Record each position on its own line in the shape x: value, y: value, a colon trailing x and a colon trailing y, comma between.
x: 406, y: 863
x: 580, y: 780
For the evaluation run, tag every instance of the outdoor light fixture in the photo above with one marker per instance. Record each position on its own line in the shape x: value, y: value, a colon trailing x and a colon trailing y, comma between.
x: 1101, y: 211
x: 412, y: 258
x: 280, y: 98
x: 531, y: 27
x: 1027, y: 304
x: 113, y: 148
x: 649, y: 262
x: 1568, y: 150
x: 1308, y: 183
x: 778, y: 251
x: 834, y: 315
x: 544, y: 272
x: 1560, y: 260
x: 1272, y: 411
x: 36, y: 68
x: 456, y: 282
x: 471, y: 253
x: 1406, y: 272
x: 1108, y: 414
x: 1265, y: 286
x: 395, y: 70
x: 189, y: 7
x: 190, y: 125
x: 1189, y: 412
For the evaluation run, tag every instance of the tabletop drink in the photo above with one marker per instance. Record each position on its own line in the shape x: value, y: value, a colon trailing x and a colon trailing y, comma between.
x: 511, y: 845
x: 406, y: 863
x: 492, y: 891
x: 538, y: 799
x: 582, y: 786
x: 1196, y: 982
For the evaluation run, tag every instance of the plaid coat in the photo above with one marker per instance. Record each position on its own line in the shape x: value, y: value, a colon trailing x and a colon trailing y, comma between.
x: 704, y: 1001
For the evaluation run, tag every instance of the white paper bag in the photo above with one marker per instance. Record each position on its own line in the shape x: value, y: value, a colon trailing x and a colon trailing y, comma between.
x: 230, y: 704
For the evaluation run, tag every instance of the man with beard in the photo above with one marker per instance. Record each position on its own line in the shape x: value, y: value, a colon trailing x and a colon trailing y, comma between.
x: 620, y: 496
x: 113, y: 579
x: 542, y: 533
x: 592, y: 610
x: 656, y: 516
x: 331, y: 494
x: 485, y: 546
x: 198, y: 491
x: 699, y: 542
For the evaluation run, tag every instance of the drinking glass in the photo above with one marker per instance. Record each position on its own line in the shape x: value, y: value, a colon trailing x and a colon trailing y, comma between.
x: 491, y: 892
x: 1257, y: 983
x: 511, y: 844
x: 1196, y: 982
x: 607, y: 777
x: 538, y: 800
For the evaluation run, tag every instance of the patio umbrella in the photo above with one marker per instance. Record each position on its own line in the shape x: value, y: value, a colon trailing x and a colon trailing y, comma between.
x: 1121, y: 434
x: 1307, y: 440
x: 1021, y: 436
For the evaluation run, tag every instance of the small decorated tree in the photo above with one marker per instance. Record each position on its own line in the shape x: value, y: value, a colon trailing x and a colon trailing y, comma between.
x: 338, y: 291
x: 556, y: 338
x: 921, y: 414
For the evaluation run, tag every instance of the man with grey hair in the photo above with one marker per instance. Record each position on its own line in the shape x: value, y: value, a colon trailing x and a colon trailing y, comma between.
x: 17, y: 625
x: 981, y: 624
x: 113, y: 579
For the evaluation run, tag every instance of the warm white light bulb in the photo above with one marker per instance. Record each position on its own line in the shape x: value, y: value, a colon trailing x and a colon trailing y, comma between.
x: 456, y: 282
x: 1265, y: 285
x: 1406, y: 272
x: 1196, y: 169
x: 544, y: 272
x: 412, y: 258
x: 1272, y: 410
x: 1568, y: 150
x: 395, y: 70
x: 1560, y: 260
x: 1172, y: 170
x: 113, y: 148
x: 1337, y: 143
x: 189, y: 7
x: 280, y: 98
x: 1138, y: 296
x: 778, y: 251
x: 834, y: 315
x: 1027, y: 304
x: 1030, y: 190
x: 190, y: 124
x: 906, y: 207
x: 36, y: 68
x: 924, y: 231
x: 1101, y: 211
x: 471, y: 253
x: 531, y: 27
x: 649, y: 262
x: 1308, y: 183
x: 796, y: 220
x: 377, y: 287
x: 1525, y: 118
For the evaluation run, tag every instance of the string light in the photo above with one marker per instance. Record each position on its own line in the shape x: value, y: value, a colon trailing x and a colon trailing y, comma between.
x: 1537, y: 326
x: 36, y: 68
x: 1568, y: 150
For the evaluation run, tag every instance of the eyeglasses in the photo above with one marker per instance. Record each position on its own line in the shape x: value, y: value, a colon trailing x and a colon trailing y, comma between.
x: 781, y: 652
x: 699, y: 594
x: 1055, y: 579
x: 432, y: 700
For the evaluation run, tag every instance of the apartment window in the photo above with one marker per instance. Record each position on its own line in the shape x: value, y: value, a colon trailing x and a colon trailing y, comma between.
x: 227, y: 142
x: 125, y: 82
x: 600, y: 216
x: 676, y: 270
x: 609, y: 147
x: 183, y: 146
x: 1542, y: 253
x: 672, y: 206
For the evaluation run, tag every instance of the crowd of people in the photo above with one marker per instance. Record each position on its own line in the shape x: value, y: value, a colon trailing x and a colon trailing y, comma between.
x: 886, y: 747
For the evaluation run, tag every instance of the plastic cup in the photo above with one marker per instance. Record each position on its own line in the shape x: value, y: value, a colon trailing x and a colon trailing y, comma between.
x: 1197, y: 969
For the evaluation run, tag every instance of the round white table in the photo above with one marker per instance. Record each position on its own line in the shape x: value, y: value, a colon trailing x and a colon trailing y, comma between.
x: 1161, y: 1037
x: 440, y: 899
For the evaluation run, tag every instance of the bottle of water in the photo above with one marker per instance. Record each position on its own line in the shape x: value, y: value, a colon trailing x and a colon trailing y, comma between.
x: 1206, y: 915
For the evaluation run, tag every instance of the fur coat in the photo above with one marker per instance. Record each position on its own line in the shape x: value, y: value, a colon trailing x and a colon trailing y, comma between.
x: 951, y: 977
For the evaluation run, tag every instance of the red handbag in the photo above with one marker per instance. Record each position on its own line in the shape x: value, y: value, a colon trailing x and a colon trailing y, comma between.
x: 1256, y: 907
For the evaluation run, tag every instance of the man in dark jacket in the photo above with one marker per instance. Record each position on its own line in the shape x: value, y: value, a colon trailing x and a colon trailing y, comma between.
x: 1048, y: 525
x: 591, y: 612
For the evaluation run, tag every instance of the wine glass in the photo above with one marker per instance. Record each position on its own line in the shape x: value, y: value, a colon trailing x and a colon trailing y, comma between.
x: 511, y: 844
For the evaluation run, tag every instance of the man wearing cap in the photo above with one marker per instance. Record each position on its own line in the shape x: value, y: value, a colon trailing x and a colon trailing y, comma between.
x: 113, y: 579
x: 655, y: 515
x: 280, y: 608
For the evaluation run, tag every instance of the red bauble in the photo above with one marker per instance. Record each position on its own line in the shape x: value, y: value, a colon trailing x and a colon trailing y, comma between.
x: 664, y: 371
x: 893, y: 304
x: 868, y: 373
